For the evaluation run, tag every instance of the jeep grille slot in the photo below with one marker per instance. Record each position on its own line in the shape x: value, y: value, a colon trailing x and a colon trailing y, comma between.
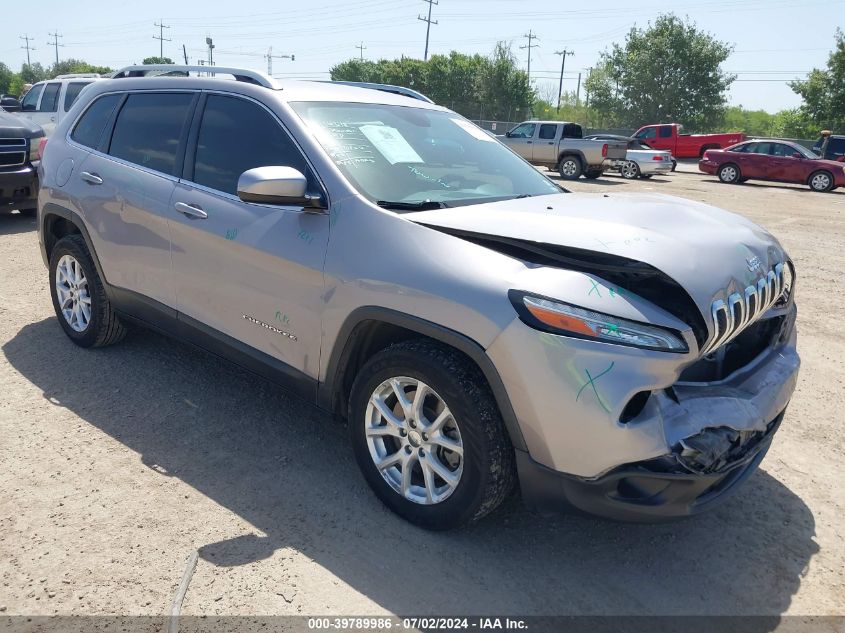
x: 743, y: 308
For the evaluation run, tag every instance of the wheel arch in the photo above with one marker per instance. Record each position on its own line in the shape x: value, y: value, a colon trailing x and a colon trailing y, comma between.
x: 574, y: 152
x: 707, y: 146
x: 57, y: 222
x: 369, y: 329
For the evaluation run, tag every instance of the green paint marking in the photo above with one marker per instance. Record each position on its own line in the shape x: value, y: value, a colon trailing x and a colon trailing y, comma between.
x: 231, y: 234
x: 595, y: 289
x: 591, y: 382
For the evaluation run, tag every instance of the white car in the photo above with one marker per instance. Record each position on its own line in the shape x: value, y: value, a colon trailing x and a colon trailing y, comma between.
x: 640, y: 160
x: 47, y: 102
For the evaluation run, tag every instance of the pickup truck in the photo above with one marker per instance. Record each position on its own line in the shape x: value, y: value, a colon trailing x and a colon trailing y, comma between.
x: 668, y: 136
x: 20, y: 145
x: 561, y: 146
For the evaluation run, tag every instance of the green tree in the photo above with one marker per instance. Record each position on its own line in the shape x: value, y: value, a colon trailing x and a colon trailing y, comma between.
x: 7, y: 76
x: 158, y: 60
x: 68, y: 66
x: 33, y: 73
x: 670, y: 71
x: 475, y: 86
x: 601, y: 90
x: 823, y: 91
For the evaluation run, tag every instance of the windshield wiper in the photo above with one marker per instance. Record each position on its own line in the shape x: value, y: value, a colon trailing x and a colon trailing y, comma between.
x: 424, y: 205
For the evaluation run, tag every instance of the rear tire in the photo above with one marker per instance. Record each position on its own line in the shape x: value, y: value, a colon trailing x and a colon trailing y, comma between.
x: 476, y: 480
x: 821, y: 181
x: 570, y: 168
x: 629, y: 170
x: 729, y: 174
x: 79, y: 298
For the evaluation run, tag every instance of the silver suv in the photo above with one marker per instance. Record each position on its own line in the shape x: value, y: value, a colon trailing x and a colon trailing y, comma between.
x: 630, y: 356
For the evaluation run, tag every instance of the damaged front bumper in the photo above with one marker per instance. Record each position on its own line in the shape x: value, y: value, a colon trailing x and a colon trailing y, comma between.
x: 685, y: 446
x: 664, y: 488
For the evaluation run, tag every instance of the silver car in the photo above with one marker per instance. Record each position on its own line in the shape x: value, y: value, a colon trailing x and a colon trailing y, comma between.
x: 631, y: 356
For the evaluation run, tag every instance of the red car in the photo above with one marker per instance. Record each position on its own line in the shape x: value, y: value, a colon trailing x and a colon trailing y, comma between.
x: 779, y: 161
x: 668, y: 136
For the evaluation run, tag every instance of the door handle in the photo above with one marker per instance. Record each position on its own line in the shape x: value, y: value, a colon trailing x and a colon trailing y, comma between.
x: 529, y: 142
x: 91, y: 179
x: 53, y: 119
x: 192, y: 211
x: 551, y: 142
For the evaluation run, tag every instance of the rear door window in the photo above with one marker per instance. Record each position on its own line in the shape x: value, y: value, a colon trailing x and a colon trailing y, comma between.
x: 149, y: 129
x: 548, y: 131
x: 665, y: 131
x: 90, y: 126
x: 30, y: 100
x: 50, y: 99
x: 72, y: 92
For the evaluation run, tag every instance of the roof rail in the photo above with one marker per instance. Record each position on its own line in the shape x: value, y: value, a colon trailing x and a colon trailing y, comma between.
x: 397, y: 90
x: 181, y: 70
x: 79, y: 76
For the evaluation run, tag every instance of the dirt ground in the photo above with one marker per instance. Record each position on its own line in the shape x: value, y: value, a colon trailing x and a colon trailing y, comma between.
x: 117, y: 464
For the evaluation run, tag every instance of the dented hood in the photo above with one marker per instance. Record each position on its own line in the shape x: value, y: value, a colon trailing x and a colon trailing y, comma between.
x: 708, y: 251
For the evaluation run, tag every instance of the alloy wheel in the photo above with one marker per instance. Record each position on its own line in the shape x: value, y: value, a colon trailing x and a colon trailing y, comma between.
x: 728, y: 173
x: 414, y: 440
x: 820, y: 182
x: 568, y: 168
x: 72, y: 293
x: 629, y: 169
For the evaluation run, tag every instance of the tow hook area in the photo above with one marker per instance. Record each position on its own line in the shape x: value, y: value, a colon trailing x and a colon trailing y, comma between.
x: 714, y: 449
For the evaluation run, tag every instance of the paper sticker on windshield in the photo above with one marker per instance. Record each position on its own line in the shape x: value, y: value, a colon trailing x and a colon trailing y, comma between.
x: 473, y: 129
x: 390, y: 142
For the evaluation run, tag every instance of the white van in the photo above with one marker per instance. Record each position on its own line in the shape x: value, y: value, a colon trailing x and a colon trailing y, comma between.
x: 47, y: 101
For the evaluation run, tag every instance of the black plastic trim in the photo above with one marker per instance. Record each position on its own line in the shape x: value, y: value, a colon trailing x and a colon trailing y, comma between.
x: 149, y: 313
x: 328, y: 392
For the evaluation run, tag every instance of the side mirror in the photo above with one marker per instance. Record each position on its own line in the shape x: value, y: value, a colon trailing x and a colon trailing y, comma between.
x: 796, y: 155
x: 508, y: 135
x: 10, y: 104
x: 276, y: 185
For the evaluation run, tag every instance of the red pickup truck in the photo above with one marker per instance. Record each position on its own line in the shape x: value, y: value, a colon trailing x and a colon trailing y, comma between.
x: 669, y: 137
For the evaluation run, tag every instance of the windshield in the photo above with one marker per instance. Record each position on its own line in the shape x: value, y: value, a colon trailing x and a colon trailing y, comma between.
x: 803, y: 150
x: 417, y: 156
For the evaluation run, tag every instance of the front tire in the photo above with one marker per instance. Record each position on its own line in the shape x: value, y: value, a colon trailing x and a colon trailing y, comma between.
x: 821, y: 181
x: 570, y: 168
x: 592, y: 174
x: 428, y: 436
x: 729, y: 174
x: 79, y: 298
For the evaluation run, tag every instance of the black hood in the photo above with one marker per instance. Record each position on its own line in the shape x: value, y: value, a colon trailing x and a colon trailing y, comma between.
x: 16, y: 126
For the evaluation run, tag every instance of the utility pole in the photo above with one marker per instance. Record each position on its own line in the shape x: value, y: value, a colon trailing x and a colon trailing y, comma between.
x: 578, y: 91
x: 185, y: 54
x: 269, y: 57
x: 530, y: 35
x: 210, y: 44
x: 160, y: 37
x: 361, y: 48
x: 428, y: 22
x: 563, y: 55
x: 55, y: 43
x: 28, y: 48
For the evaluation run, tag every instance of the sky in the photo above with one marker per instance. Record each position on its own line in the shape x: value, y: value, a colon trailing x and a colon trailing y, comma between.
x: 774, y: 40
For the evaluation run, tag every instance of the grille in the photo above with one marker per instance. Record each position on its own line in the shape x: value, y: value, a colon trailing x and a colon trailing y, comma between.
x: 732, y: 315
x: 12, y: 151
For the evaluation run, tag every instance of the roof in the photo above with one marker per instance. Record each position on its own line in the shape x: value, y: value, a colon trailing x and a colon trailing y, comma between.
x: 249, y: 82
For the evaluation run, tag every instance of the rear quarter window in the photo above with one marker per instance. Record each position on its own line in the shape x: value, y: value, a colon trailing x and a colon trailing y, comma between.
x: 72, y: 92
x: 89, y: 129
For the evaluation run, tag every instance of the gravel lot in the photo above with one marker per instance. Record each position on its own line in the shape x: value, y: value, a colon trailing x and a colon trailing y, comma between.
x: 117, y: 464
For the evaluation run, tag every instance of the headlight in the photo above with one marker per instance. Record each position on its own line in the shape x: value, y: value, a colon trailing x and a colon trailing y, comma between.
x: 788, y: 285
x: 569, y: 320
x: 33, y: 149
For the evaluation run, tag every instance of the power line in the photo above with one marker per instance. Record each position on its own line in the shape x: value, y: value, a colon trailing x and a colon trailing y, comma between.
x: 56, y: 44
x: 428, y: 22
x: 361, y: 48
x: 28, y: 48
x: 160, y: 37
x: 563, y: 55
x: 531, y: 36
